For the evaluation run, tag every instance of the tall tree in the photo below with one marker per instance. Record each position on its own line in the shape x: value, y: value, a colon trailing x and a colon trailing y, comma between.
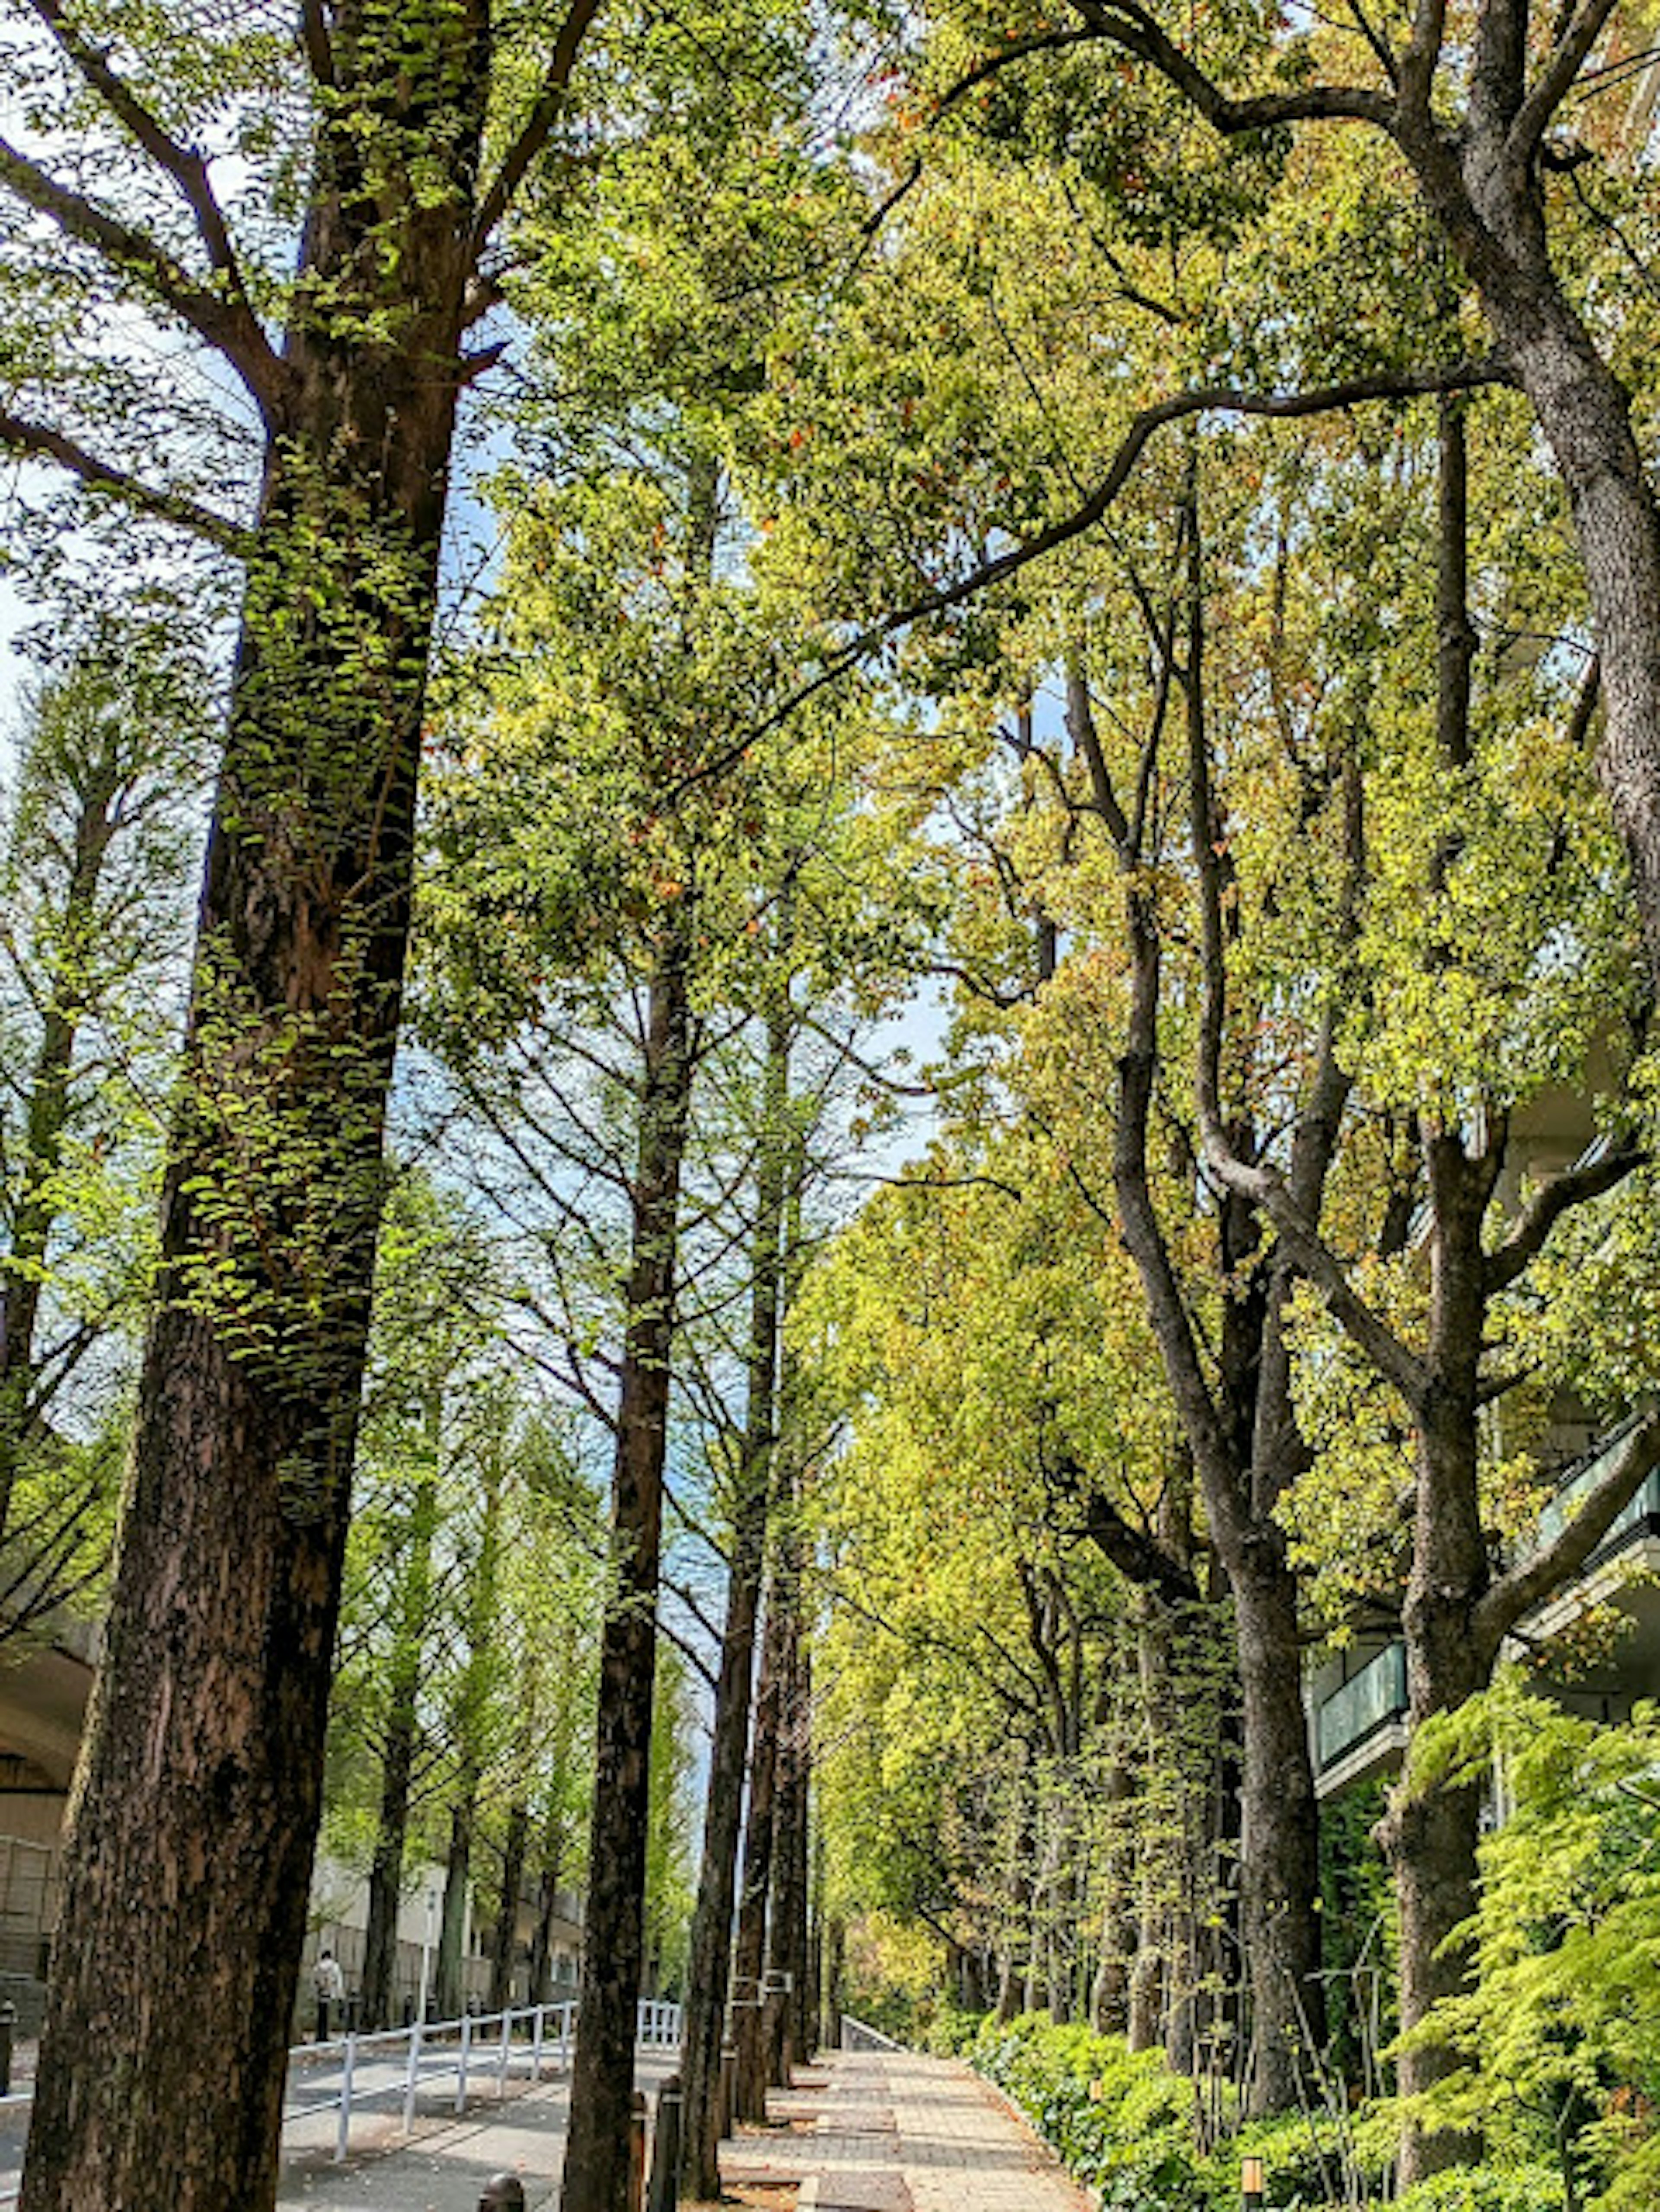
x: 200, y: 1789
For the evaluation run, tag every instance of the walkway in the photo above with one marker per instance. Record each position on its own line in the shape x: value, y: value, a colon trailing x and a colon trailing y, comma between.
x: 893, y: 2132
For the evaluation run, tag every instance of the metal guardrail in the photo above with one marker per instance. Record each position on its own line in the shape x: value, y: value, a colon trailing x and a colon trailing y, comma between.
x: 480, y: 2046
x: 858, y: 2035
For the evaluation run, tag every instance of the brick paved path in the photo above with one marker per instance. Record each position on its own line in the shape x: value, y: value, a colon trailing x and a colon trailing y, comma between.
x: 893, y: 2132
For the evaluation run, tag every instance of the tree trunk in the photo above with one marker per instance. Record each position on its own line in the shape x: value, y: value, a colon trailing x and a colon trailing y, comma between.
x: 450, y: 1973
x: 750, y: 1952
x: 1492, y: 211
x: 1431, y: 1838
x: 507, y: 1917
x: 386, y: 1870
x: 547, y: 1902
x: 596, y: 2171
x: 401, y: 1730
x: 45, y: 1118
x: 786, y: 1933
x: 711, y: 1929
x: 197, y: 1807
x: 1278, y: 1856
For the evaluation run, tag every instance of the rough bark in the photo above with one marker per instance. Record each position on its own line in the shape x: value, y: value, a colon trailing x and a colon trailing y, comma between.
x: 709, y: 1968
x: 786, y: 1933
x: 198, y: 1797
x: 596, y: 2170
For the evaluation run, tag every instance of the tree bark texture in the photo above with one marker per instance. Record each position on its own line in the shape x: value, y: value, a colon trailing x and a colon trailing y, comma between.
x: 708, y: 1976
x: 596, y: 2170
x: 198, y: 1801
x: 452, y: 1917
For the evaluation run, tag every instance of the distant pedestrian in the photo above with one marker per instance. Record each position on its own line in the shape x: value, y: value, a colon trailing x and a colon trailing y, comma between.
x: 330, y: 1984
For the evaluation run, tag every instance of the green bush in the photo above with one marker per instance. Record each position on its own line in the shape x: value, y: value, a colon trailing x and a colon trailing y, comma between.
x: 1486, y: 2189
x: 1122, y: 2122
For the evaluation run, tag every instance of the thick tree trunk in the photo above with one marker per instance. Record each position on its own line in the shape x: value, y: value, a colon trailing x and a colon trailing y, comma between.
x: 514, y: 1849
x: 596, y: 2171
x: 1279, y: 1858
x: 198, y: 1802
x: 1431, y: 1838
x: 711, y: 1929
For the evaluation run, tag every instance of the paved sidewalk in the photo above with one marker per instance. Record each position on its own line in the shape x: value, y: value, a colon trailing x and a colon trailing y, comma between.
x: 895, y: 2132
x: 445, y: 2168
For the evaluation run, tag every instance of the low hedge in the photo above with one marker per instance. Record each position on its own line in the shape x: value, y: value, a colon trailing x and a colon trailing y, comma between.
x: 1122, y: 2122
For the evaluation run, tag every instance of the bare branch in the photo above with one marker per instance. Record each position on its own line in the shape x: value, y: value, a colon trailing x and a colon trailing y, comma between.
x: 228, y: 325
x: 1130, y: 27
x: 42, y: 443
x: 319, y: 47
x: 1573, y: 1186
x: 188, y: 170
x: 1535, y: 1576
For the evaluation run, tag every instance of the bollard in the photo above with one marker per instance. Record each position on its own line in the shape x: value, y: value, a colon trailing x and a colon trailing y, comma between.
x: 637, y: 2153
x: 503, y: 2192
x: 1250, y: 2185
x: 664, y: 2193
x: 7, y: 2029
x: 726, y: 2117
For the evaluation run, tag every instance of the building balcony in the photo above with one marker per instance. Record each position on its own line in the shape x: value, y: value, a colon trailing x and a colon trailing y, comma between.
x: 1359, y: 1725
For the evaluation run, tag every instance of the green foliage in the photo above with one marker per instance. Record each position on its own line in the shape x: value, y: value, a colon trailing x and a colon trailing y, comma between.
x: 1485, y: 2189
x: 1124, y: 2124
x: 1558, y: 2038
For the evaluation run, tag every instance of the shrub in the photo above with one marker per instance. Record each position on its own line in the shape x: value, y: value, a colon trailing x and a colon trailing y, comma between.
x: 1486, y: 2189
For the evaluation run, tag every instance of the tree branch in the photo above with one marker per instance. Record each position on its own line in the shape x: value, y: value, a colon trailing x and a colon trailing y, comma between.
x: 1573, y: 1186
x: 1533, y: 117
x: 1140, y: 1557
x: 1534, y: 1577
x: 538, y: 128
x: 38, y: 441
x: 228, y: 325
x: 1130, y: 27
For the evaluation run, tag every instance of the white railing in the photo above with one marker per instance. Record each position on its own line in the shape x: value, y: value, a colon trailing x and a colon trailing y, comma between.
x: 393, y: 2067
x: 858, y: 2035
x: 660, y: 2026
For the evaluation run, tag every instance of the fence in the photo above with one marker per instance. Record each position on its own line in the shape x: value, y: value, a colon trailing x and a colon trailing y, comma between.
x: 391, y: 2072
x: 858, y: 2035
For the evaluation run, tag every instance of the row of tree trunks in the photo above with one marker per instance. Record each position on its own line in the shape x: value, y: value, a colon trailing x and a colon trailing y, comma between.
x: 708, y: 1982
x: 596, y: 2152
